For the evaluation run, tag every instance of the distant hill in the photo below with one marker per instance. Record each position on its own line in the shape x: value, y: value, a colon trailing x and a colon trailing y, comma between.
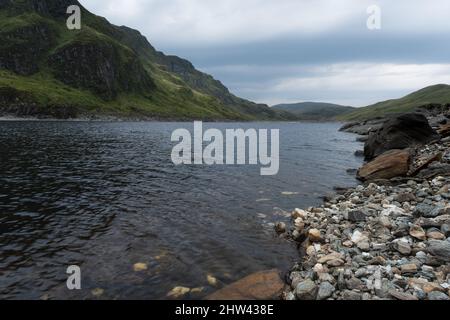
x: 437, y: 94
x: 314, y: 110
x: 47, y: 70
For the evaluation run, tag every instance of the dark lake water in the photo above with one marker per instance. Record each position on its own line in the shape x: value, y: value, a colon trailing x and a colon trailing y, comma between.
x: 105, y: 196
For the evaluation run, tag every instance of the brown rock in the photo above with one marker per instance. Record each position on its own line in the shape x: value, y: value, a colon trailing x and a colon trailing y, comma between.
x: 431, y: 286
x: 391, y: 164
x: 330, y: 257
x: 280, y: 228
x: 314, y: 235
x: 403, y: 247
x: 264, y: 285
x: 409, y: 268
x: 378, y: 261
x: 335, y: 263
x: 417, y: 232
x: 299, y: 213
x: 444, y: 189
x: 417, y: 283
x: 435, y: 234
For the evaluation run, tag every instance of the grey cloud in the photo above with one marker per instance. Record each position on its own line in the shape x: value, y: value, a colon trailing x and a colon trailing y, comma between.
x: 267, y: 50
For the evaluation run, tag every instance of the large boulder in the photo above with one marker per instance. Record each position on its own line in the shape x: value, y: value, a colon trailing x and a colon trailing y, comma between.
x: 391, y: 164
x: 401, y: 132
x: 100, y: 66
x: 264, y: 285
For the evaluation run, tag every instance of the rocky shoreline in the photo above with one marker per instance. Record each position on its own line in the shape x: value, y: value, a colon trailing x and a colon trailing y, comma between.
x: 389, y: 238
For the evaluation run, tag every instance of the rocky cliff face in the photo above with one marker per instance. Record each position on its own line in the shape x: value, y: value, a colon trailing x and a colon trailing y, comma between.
x: 101, y: 67
x: 118, y: 65
x: 23, y: 47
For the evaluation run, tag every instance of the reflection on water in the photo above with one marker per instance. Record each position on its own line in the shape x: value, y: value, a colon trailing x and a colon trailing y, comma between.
x: 106, y: 196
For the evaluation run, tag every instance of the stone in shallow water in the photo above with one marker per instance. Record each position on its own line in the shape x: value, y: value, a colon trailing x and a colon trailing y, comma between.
x: 212, y: 281
x: 138, y: 267
x: 97, y: 292
x: 299, y: 213
x: 178, y: 292
x: 264, y: 285
x: 198, y: 290
x: 280, y: 228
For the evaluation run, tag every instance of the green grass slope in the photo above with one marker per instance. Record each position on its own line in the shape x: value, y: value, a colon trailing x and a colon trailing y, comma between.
x: 102, y: 69
x: 314, y: 110
x: 437, y: 94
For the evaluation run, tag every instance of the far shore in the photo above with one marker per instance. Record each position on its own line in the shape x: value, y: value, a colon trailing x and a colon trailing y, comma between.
x: 132, y: 119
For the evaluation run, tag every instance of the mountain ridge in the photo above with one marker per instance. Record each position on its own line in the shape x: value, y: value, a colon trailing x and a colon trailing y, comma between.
x: 434, y: 94
x: 313, y: 110
x: 102, y: 69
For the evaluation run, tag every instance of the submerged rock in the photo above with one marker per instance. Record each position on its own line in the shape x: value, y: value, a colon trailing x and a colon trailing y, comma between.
x: 280, y: 227
x: 212, y: 281
x: 138, y: 267
x: 264, y: 285
x: 178, y: 292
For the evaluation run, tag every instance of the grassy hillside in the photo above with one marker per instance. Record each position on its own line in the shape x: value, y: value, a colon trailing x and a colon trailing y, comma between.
x: 439, y: 94
x: 102, y: 69
x: 314, y: 110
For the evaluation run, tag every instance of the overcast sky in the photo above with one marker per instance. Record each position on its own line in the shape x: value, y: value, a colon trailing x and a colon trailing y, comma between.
x: 281, y: 51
